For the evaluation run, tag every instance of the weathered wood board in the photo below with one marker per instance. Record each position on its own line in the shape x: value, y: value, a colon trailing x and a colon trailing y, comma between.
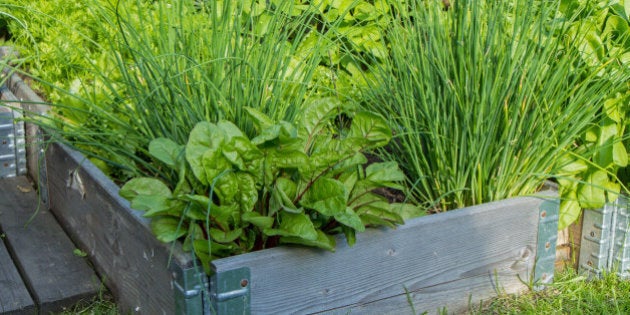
x: 117, y: 239
x: 441, y: 260
x: 14, y: 297
x: 43, y: 253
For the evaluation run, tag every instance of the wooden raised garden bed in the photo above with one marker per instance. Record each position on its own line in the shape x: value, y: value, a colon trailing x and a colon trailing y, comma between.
x: 444, y: 260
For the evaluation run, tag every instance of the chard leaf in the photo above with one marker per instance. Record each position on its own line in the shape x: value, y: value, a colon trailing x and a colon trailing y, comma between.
x: 230, y: 130
x: 570, y: 165
x: 371, y: 129
x: 203, y: 137
x: 247, y: 191
x: 326, y: 196
x: 167, y: 229
x: 283, y: 132
x: 222, y: 214
x: 349, y: 179
x: 225, y: 236
x: 317, y: 114
x: 154, y: 205
x: 382, y: 210
x: 619, y: 154
x: 227, y: 187
x: 243, y: 154
x: 407, y: 211
x: 591, y: 194
x: 282, y: 196
x: 321, y: 241
x: 166, y: 151
x: 297, y: 225
x: 385, y: 174
x: 351, y: 219
x: 194, y: 233
x: 214, y: 164
x: 288, y: 159
x: 261, y: 121
x: 350, y: 233
x: 144, y: 186
x: 376, y: 220
x: 570, y: 208
x: 258, y: 220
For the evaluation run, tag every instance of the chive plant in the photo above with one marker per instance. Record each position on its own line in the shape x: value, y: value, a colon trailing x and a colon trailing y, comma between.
x: 170, y: 65
x: 483, y: 98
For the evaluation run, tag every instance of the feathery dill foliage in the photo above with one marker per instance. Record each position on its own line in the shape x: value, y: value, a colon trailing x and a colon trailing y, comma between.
x: 171, y: 65
x: 483, y: 99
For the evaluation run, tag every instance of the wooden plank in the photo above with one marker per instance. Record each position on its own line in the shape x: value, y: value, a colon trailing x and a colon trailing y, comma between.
x: 42, y: 251
x: 14, y: 297
x: 440, y: 259
x: 118, y: 240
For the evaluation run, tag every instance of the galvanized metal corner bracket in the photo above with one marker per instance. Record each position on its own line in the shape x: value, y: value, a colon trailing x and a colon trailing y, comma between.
x: 230, y: 292
x: 548, y: 216
x: 12, y: 142
x: 606, y: 239
x: 190, y: 286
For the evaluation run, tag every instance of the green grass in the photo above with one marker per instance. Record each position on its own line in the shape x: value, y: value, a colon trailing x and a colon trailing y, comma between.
x: 103, y: 304
x: 569, y: 294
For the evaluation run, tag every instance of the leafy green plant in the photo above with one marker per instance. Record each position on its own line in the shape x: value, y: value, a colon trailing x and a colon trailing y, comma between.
x: 483, y: 102
x: 590, y: 177
x: 291, y: 183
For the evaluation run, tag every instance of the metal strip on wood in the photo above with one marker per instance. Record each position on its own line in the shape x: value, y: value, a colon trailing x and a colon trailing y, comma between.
x: 230, y: 292
x: 8, y: 161
x: 547, y: 239
x: 606, y: 239
x: 597, y: 237
x: 12, y: 140
x: 620, y: 258
x: 191, y: 290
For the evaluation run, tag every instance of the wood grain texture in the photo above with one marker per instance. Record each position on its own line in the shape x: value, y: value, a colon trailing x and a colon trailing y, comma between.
x: 14, y: 297
x: 135, y: 266
x: 440, y: 259
x: 43, y: 253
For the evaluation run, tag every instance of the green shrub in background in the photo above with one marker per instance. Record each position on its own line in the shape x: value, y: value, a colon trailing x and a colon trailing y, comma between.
x: 484, y: 100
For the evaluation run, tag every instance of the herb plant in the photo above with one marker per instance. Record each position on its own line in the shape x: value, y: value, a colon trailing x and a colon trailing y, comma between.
x: 482, y: 99
x: 291, y: 183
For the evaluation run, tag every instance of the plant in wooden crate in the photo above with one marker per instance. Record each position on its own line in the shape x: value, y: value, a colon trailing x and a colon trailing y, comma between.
x: 291, y: 183
x: 143, y: 61
x: 489, y: 101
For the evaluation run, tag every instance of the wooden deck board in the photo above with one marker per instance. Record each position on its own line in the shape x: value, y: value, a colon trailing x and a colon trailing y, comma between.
x: 14, y: 296
x: 43, y: 253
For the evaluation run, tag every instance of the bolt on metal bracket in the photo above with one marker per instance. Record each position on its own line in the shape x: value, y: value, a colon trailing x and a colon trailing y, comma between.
x: 230, y: 292
x: 190, y: 286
